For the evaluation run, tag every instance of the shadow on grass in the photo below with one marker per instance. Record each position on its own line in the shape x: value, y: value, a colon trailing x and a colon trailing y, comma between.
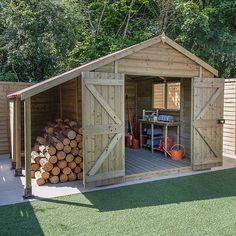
x: 171, y: 191
x: 16, y: 219
x: 19, y: 219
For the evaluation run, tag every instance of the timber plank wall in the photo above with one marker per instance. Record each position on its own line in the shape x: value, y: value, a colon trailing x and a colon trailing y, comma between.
x: 5, y: 89
x: 229, y: 136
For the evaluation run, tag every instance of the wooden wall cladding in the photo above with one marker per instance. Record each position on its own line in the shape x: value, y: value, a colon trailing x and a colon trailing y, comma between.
x: 159, y: 60
x: 144, y: 96
x: 71, y: 102
x: 5, y: 89
x: 42, y: 111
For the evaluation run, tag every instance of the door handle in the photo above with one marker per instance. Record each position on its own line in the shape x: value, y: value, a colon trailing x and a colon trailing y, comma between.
x: 221, y: 121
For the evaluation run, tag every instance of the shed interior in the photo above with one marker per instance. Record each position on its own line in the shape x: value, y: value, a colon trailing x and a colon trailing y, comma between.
x: 170, y: 96
x: 65, y: 101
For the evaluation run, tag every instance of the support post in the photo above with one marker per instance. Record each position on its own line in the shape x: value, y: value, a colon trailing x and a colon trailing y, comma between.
x: 12, y: 132
x: 27, y: 139
x: 17, y: 120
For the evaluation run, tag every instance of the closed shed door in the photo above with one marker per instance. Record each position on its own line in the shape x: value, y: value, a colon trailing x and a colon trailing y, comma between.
x: 103, y: 128
x: 207, y: 114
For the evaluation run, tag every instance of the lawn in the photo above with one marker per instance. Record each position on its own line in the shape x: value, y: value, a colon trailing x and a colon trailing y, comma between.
x: 203, y: 204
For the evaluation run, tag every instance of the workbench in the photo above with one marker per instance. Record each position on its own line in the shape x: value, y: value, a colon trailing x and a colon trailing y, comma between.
x: 164, y: 125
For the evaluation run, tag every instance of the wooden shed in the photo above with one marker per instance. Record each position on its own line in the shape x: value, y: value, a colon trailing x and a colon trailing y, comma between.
x: 154, y: 74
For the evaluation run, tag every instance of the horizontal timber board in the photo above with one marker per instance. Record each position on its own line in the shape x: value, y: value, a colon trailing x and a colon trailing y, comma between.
x: 153, y: 174
x: 156, y: 64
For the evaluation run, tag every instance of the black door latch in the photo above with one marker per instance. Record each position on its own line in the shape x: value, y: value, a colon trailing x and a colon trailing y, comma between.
x: 221, y: 121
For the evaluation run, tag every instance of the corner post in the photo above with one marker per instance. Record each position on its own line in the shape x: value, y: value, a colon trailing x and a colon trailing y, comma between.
x: 27, y: 137
x: 17, y: 120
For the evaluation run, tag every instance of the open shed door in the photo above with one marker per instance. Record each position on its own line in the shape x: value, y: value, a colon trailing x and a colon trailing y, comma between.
x: 207, y: 117
x: 103, y: 128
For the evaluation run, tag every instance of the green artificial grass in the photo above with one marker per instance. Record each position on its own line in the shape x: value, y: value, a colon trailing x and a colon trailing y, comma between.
x: 203, y: 204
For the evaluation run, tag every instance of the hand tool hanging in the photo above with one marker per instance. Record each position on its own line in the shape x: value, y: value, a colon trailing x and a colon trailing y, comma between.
x: 130, y: 128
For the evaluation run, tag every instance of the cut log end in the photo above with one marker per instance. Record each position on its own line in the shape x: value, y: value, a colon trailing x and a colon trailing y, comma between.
x: 77, y: 169
x: 72, y: 176
x: 39, y: 179
x: 57, y: 153
x: 56, y: 170
x: 66, y: 170
x: 61, y: 155
x: 72, y: 165
x: 54, y: 179
x: 63, y: 178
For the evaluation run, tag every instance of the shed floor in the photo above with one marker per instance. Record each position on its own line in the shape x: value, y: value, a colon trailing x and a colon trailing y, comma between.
x: 142, y: 160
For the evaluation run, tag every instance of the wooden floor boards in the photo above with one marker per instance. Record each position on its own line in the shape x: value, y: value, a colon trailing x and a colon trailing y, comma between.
x: 139, y: 161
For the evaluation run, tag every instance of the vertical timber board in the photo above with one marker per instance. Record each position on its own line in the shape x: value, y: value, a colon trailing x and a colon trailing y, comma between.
x: 12, y: 111
x: 27, y: 140
x: 207, y: 133
x: 102, y: 121
x: 18, y: 133
x: 185, y: 115
x: 79, y: 101
x: 69, y: 99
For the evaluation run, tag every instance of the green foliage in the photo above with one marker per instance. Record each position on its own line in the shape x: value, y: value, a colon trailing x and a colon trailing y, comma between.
x: 39, y: 39
x: 36, y: 38
x: 208, y: 30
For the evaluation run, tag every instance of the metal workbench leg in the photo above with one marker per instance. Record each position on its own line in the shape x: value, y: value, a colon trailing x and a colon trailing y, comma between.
x: 141, y: 134
x: 165, y: 138
x: 177, y: 139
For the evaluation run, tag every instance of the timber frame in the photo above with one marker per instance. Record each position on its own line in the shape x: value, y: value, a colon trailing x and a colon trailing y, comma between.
x: 111, y: 63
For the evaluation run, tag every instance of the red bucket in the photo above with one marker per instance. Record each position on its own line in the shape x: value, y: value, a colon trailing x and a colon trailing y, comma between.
x: 135, y: 143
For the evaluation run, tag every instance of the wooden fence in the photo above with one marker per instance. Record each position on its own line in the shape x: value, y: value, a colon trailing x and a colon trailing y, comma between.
x: 229, y: 137
x: 5, y: 89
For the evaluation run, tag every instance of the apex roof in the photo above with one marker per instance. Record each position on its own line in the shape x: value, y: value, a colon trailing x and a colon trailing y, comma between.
x: 64, y: 77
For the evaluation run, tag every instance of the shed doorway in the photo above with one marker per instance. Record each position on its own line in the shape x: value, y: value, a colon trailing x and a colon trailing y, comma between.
x: 171, y: 99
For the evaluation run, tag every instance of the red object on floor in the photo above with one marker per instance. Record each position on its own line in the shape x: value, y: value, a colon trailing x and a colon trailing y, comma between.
x: 135, y: 143
x: 169, y: 143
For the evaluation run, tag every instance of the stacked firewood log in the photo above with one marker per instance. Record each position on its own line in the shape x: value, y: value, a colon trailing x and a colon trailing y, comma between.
x: 57, y: 154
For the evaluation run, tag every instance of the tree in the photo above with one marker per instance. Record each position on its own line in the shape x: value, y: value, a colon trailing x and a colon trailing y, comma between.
x: 39, y: 39
x: 36, y: 38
